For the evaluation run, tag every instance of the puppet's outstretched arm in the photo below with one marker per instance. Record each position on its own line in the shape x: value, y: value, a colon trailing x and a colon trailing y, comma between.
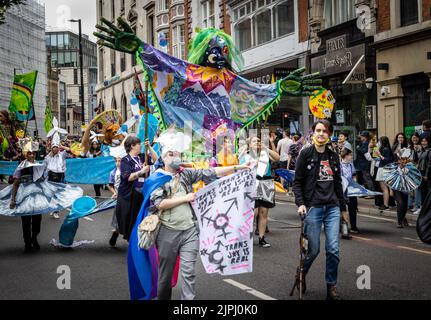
x: 297, y: 85
x: 121, y: 38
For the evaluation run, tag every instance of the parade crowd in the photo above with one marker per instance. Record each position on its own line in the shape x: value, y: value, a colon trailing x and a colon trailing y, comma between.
x: 319, y: 167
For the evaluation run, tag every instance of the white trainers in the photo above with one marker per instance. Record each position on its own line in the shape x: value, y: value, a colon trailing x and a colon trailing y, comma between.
x: 417, y: 211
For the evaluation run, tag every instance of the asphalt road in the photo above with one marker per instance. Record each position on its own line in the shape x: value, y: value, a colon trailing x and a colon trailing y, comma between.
x: 398, y: 261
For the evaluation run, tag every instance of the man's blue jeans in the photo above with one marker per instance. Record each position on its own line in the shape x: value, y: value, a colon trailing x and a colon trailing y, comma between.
x: 329, y: 216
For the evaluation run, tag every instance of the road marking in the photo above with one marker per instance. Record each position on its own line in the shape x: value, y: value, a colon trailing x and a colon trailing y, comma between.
x: 415, y: 250
x: 284, y: 222
x: 289, y: 203
x: 377, y: 218
x: 249, y: 290
x: 361, y: 238
x: 88, y: 219
x: 411, y: 239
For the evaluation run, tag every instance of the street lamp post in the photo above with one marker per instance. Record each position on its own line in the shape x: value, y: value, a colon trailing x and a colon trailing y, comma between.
x: 81, y: 69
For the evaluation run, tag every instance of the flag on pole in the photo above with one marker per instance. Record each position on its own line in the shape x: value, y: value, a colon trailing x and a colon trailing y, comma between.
x: 21, y: 102
x: 139, y: 94
x: 48, y: 117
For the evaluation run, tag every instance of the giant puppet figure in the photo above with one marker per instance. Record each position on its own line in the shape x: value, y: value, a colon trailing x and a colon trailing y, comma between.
x: 204, y: 91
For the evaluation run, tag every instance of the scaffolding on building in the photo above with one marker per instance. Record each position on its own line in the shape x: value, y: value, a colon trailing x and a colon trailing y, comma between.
x: 22, y: 49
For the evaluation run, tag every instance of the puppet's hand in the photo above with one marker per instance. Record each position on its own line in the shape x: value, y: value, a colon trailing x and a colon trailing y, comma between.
x: 297, y: 85
x: 121, y: 38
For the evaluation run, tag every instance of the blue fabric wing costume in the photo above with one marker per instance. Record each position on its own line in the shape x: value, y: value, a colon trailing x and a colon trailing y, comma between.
x: 142, y: 264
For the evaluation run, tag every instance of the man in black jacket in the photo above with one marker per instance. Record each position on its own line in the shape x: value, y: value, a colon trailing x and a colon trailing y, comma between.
x: 319, y: 195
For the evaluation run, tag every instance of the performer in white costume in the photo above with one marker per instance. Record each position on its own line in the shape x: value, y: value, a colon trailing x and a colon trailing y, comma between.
x: 31, y: 196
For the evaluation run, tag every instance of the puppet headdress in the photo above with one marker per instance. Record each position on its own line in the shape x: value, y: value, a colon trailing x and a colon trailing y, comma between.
x: 174, y: 141
x: 199, y: 45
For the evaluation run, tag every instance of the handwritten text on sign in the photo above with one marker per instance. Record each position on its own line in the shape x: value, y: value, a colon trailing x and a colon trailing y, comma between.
x: 225, y: 213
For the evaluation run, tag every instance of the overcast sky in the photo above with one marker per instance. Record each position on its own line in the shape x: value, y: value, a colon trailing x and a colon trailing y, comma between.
x: 57, y: 13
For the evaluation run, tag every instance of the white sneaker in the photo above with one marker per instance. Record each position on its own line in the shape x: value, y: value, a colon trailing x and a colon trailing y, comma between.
x: 417, y: 211
x: 55, y: 215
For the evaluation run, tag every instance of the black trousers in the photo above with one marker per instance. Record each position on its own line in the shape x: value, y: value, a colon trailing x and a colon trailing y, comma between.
x: 424, y: 189
x: 364, y: 178
x: 402, y: 200
x: 97, y: 188
x: 352, y: 206
x: 31, y: 227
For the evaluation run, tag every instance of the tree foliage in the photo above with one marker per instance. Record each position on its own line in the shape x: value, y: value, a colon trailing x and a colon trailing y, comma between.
x: 5, y: 5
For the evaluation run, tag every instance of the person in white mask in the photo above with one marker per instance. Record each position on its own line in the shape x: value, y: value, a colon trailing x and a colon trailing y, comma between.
x: 178, y: 234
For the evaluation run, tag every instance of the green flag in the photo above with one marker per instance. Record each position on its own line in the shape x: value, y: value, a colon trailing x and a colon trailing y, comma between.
x: 21, y: 102
x: 48, y: 117
x: 4, y: 144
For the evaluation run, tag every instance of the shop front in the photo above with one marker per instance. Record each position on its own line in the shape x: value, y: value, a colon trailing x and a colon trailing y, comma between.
x: 345, y: 61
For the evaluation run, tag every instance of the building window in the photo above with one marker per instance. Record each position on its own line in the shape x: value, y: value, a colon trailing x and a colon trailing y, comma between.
x: 409, y: 12
x: 123, y: 6
x: 101, y: 65
x: 123, y: 61
x: 150, y: 29
x: 178, y: 48
x: 66, y: 41
x: 338, y: 11
x: 416, y: 99
x: 113, y: 9
x: 243, y: 34
x: 257, y: 22
x: 263, y: 27
x: 53, y: 40
x: 75, y: 76
x: 114, y: 104
x: 124, y: 108
x: 208, y: 14
x: 134, y: 61
x: 113, y: 65
x: 163, y: 5
x: 100, y: 8
x: 284, y: 19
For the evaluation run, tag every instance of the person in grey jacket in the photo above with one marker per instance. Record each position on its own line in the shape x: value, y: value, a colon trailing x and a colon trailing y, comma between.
x: 178, y: 234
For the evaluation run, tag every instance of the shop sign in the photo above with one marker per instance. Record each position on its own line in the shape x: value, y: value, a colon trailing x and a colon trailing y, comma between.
x: 339, y: 58
x: 339, y: 115
x: 272, y: 74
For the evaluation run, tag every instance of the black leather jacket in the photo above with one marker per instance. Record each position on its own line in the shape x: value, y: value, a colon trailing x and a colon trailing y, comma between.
x: 307, y: 173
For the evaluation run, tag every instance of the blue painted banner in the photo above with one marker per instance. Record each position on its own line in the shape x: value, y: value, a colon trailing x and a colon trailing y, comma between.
x: 79, y: 171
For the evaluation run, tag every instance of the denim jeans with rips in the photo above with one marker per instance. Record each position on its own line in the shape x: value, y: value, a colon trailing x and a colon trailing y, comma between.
x: 329, y: 216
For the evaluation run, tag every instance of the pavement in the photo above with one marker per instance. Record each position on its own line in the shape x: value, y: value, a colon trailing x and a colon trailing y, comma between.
x: 398, y: 262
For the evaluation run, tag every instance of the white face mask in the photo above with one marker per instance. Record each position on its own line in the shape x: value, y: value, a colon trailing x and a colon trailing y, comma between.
x: 174, y: 164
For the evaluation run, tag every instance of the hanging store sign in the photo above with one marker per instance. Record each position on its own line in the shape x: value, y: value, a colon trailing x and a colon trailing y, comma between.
x: 271, y: 74
x: 339, y: 58
x: 321, y: 104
